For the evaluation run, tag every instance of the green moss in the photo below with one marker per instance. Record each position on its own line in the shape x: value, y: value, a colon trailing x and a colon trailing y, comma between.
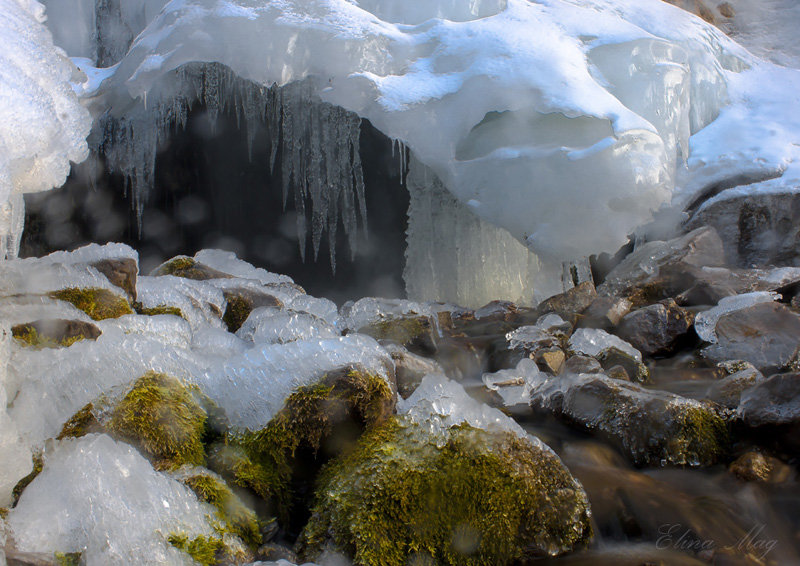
x: 475, y: 498
x: 98, y: 303
x: 188, y: 268
x: 30, y: 337
x: 237, y: 311
x: 264, y: 461
x: 67, y: 558
x: 702, y: 436
x: 80, y: 424
x: 163, y: 419
x: 3, y: 513
x: 159, y: 309
x: 201, y: 548
x: 239, y: 520
x: 16, y: 493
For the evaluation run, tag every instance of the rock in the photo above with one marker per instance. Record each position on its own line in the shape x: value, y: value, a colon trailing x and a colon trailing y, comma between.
x: 569, y: 303
x: 697, y: 7
x: 705, y: 322
x: 726, y: 10
x: 514, y: 385
x: 450, y: 476
x: 727, y: 391
x: 758, y: 467
x: 773, y: 401
x: 274, y: 325
x: 54, y: 333
x: 617, y: 372
x: 463, y: 358
x: 240, y: 302
x: 656, y: 269
x: 654, y: 329
x: 188, y: 268
x: 634, y: 369
x: 417, y: 333
x: 551, y: 360
x: 15, y: 558
x: 582, y: 364
x: 274, y: 552
x: 766, y: 335
x: 756, y: 228
x: 121, y: 272
x: 410, y: 368
x: 605, y: 312
x: 651, y: 427
x: 496, y: 310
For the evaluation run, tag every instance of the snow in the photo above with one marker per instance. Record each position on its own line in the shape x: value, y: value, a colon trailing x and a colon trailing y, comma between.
x: 705, y: 323
x: 42, y: 125
x: 102, y: 498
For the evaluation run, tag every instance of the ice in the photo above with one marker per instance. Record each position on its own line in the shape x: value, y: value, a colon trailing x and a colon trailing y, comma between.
x: 102, y: 498
x: 252, y: 386
x: 271, y: 325
x: 705, y: 323
x: 514, y: 385
x: 42, y: 125
x: 363, y: 312
x: 200, y: 302
x: 50, y: 385
x: 15, y: 455
x: 455, y: 256
x: 545, y: 331
x: 25, y: 308
x: 539, y: 117
x: 44, y: 275
x: 439, y: 403
x: 219, y: 341
x: 592, y: 341
x: 227, y: 262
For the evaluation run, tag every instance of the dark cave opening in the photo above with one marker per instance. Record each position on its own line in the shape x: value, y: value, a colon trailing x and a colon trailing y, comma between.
x: 210, y: 193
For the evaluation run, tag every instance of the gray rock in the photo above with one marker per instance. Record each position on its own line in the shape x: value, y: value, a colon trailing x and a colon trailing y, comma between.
x: 728, y: 390
x: 773, y: 401
x: 410, y: 368
x: 582, y: 364
x: 655, y: 328
x: 605, y: 312
x: 652, y: 427
x: 756, y: 228
x: 766, y: 335
x: 652, y: 271
x: 635, y: 370
x: 418, y: 333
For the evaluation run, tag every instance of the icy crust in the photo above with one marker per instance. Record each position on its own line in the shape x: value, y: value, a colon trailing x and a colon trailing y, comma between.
x: 253, y: 386
x: 15, y: 455
x: 592, y: 341
x: 227, y: 262
x: 705, y: 323
x: 201, y: 303
x: 366, y: 311
x: 507, y: 102
x: 102, y: 498
x: 271, y: 325
x: 439, y: 404
x: 42, y: 125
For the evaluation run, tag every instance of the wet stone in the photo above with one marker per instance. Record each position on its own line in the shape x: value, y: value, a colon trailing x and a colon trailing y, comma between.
x: 728, y: 390
x: 766, y: 335
x: 654, y: 329
x: 755, y: 466
x: 571, y: 302
x: 551, y: 360
x: 416, y: 332
x: 773, y: 401
x: 120, y: 272
x: 582, y: 364
x: 54, y: 332
x: 410, y: 368
x: 605, y: 312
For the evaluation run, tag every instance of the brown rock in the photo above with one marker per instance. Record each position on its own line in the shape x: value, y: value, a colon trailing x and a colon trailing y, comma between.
x: 605, y: 312
x: 120, y: 272
x: 551, y: 360
x: 655, y: 328
x: 582, y: 364
x: 569, y: 303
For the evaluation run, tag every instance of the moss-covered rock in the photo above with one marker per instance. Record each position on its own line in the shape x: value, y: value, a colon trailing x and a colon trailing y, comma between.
x: 157, y: 310
x: 418, y: 333
x: 98, y: 303
x: 16, y: 493
x: 652, y: 427
x: 162, y: 418
x: 188, y: 268
x: 67, y: 558
x: 204, y: 550
x: 316, y: 422
x: 54, y: 333
x: 403, y: 496
x: 81, y: 423
x: 231, y: 510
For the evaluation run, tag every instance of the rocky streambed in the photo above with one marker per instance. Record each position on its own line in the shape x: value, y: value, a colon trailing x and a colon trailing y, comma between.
x: 214, y: 413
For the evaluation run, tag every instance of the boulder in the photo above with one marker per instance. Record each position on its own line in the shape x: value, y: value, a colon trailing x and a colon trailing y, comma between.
x: 767, y: 335
x: 773, y: 401
x: 569, y: 303
x: 188, y: 268
x: 418, y: 333
x: 121, y: 272
x: 728, y: 390
x: 654, y: 329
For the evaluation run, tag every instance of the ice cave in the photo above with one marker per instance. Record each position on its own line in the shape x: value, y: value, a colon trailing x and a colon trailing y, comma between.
x: 373, y: 282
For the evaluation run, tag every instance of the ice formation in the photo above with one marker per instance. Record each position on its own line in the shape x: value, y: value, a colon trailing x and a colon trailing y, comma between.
x: 592, y: 341
x: 514, y: 385
x: 270, y: 325
x: 705, y: 323
x: 42, y: 125
x: 102, y: 498
x: 253, y: 386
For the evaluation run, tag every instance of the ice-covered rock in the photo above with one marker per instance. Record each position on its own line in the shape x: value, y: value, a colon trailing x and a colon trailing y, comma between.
x: 706, y: 322
x: 366, y: 311
x: 271, y: 325
x: 514, y: 385
x: 593, y: 341
x: 252, y: 386
x: 410, y: 368
x: 227, y: 262
x: 42, y: 125
x: 764, y: 334
x: 201, y: 303
x: 101, y: 498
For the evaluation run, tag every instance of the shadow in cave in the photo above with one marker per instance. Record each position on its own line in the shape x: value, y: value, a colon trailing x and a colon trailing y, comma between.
x: 209, y: 194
